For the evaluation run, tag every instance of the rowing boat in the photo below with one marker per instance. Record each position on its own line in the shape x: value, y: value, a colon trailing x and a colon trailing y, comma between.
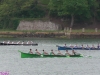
x: 35, y: 44
x: 27, y: 55
x: 76, y: 48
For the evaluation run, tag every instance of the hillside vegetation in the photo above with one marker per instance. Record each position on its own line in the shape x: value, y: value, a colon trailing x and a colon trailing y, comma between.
x: 74, y: 11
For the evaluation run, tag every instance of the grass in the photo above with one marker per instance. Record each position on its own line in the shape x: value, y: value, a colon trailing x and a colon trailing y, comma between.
x: 48, y: 31
x: 12, y: 33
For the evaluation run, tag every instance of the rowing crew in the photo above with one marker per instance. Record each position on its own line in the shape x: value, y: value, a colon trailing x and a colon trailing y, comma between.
x: 19, y: 42
x: 52, y: 53
x: 87, y: 46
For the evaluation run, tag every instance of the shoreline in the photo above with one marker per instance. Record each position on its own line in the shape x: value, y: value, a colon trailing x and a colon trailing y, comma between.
x: 68, y: 35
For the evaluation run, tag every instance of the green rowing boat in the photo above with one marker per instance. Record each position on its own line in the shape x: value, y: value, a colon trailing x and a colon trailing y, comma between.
x: 27, y: 55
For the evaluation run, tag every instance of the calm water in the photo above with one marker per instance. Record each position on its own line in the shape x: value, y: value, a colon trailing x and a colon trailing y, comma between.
x: 11, y: 62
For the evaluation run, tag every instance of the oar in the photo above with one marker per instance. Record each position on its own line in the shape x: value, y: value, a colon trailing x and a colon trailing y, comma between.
x: 57, y: 45
x: 19, y: 51
x: 86, y: 56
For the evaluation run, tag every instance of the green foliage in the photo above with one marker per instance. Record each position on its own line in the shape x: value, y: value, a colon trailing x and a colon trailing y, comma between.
x: 68, y: 7
x: 33, y: 13
x: 10, y: 9
x: 44, y: 2
x: 79, y: 10
x: 9, y: 23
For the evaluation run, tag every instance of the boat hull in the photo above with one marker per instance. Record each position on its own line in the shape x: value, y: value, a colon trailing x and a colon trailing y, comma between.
x: 79, y: 48
x: 4, y: 44
x: 27, y: 55
x: 54, y: 56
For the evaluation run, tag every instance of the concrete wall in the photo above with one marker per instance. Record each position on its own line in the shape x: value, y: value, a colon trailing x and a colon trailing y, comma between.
x: 37, y: 25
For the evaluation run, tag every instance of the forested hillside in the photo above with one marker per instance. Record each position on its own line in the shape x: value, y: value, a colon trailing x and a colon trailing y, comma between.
x: 74, y: 11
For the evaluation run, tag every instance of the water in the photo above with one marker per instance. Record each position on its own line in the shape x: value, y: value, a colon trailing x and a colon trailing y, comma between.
x: 11, y: 62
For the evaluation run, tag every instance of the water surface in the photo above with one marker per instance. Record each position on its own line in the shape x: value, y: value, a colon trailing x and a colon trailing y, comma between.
x: 11, y: 61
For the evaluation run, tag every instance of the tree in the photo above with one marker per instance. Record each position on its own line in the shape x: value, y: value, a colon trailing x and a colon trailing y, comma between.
x: 10, y: 8
x: 70, y: 7
x: 93, y: 6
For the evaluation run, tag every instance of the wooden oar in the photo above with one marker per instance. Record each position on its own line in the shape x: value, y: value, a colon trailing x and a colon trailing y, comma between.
x: 19, y: 51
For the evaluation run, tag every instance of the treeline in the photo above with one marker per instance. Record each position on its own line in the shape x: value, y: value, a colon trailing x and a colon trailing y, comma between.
x: 12, y: 11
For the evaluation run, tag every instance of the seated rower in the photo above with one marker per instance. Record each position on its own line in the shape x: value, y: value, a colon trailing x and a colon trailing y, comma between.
x: 98, y: 46
x: 93, y: 46
x: 67, y: 54
x: 3, y: 41
x: 75, y: 53
x: 52, y: 53
x: 76, y: 46
x: 38, y: 53
x: 82, y: 46
x: 45, y: 53
x: 87, y: 46
x: 71, y: 46
x: 30, y: 52
x: 65, y: 45
x: 59, y: 53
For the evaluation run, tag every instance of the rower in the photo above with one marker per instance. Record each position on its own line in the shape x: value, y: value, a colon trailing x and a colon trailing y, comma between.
x: 67, y: 54
x: 23, y: 42
x: 28, y: 42
x: 76, y: 46
x: 98, y: 46
x: 3, y: 41
x: 65, y: 45
x: 52, y: 53
x: 30, y: 52
x: 18, y: 42
x: 45, y: 53
x: 82, y: 46
x: 8, y: 42
x: 31, y: 42
x: 88, y: 47
x: 38, y: 53
x: 12, y: 42
x: 71, y: 46
x: 59, y: 53
x: 66, y: 51
x: 93, y: 46
x: 75, y: 53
